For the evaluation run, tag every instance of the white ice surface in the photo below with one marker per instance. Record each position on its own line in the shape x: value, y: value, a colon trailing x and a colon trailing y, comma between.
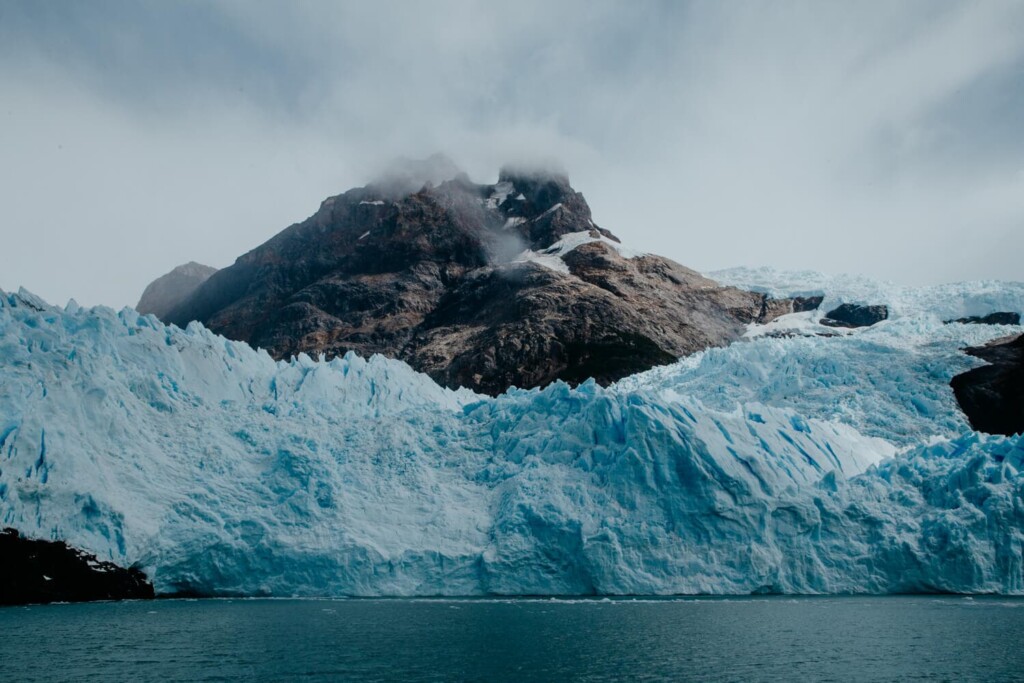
x: 946, y: 301
x: 215, y: 468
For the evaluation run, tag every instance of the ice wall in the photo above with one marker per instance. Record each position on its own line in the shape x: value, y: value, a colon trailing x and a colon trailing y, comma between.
x: 218, y: 470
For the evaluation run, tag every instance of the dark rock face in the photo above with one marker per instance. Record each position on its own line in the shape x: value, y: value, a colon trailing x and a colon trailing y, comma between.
x: 775, y: 308
x: 169, y: 290
x: 992, y: 396
x: 804, y: 304
x: 481, y: 286
x: 51, y: 571
x: 998, y: 318
x: 855, y: 315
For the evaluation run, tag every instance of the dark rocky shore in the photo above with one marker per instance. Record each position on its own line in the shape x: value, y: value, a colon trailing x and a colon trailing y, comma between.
x: 35, y: 571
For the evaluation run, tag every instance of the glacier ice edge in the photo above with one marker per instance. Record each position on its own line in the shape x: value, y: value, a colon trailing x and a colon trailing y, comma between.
x: 221, y: 471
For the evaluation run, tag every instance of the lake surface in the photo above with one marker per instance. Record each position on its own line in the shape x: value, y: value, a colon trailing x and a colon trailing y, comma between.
x: 742, y: 639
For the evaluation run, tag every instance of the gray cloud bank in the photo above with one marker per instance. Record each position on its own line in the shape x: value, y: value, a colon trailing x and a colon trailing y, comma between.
x: 882, y: 138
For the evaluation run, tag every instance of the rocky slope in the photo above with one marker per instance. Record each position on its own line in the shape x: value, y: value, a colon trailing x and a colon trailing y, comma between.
x: 479, y: 286
x: 37, y: 571
x: 992, y: 396
x: 172, y: 288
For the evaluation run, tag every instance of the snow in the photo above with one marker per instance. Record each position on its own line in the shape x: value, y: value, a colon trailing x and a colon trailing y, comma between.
x: 551, y: 257
x: 499, y: 194
x: 946, y: 301
x: 804, y: 464
x: 889, y: 380
x: 550, y: 261
x: 376, y: 202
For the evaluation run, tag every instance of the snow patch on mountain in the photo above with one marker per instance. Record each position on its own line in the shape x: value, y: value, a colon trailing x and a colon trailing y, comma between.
x: 499, y: 194
x: 551, y: 257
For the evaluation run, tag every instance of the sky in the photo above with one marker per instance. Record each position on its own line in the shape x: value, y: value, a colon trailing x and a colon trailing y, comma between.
x: 882, y: 138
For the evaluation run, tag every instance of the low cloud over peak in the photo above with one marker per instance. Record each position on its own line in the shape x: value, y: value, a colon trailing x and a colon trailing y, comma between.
x: 868, y: 137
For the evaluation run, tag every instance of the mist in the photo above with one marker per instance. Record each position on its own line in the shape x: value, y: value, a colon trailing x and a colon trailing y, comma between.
x: 876, y: 138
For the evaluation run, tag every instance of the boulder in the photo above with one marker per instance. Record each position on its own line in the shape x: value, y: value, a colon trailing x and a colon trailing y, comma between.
x: 804, y: 304
x: 855, y: 315
x: 997, y: 318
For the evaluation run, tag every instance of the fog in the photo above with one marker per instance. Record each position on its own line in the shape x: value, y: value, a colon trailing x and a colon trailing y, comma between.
x: 879, y: 138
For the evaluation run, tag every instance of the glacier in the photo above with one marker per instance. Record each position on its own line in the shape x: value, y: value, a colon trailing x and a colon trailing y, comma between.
x: 947, y: 301
x: 779, y: 465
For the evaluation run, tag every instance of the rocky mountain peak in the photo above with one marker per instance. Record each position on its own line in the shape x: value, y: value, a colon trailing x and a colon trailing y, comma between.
x: 542, y: 205
x: 172, y: 288
x: 479, y: 285
x: 539, y: 184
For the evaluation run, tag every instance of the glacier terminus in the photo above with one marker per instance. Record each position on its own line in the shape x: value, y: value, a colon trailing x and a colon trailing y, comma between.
x: 767, y: 466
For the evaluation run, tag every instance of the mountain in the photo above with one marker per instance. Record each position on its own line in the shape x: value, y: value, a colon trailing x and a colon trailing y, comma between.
x: 169, y: 290
x: 786, y: 464
x: 478, y: 286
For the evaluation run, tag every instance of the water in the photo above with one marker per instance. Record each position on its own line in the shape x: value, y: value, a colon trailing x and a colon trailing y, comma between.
x: 747, y: 639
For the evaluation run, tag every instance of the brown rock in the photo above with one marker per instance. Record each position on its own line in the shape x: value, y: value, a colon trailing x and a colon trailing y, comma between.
x: 433, y: 278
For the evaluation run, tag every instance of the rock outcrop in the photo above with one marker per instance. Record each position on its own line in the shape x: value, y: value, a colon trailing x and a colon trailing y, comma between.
x: 855, y: 315
x: 997, y: 318
x: 169, y: 290
x: 34, y: 571
x: 992, y: 396
x: 804, y: 304
x: 480, y: 286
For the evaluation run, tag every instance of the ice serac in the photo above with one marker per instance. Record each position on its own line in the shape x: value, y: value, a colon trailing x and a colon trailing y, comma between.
x: 167, y: 291
x: 217, y: 470
x: 484, y: 286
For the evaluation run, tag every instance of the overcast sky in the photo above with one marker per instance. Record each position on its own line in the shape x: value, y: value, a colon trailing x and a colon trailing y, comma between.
x: 881, y: 138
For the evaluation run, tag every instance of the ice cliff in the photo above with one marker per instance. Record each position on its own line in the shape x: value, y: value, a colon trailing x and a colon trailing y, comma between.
x: 801, y: 464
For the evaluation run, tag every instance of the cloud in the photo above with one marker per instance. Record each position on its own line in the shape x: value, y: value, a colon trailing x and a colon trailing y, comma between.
x: 879, y: 138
